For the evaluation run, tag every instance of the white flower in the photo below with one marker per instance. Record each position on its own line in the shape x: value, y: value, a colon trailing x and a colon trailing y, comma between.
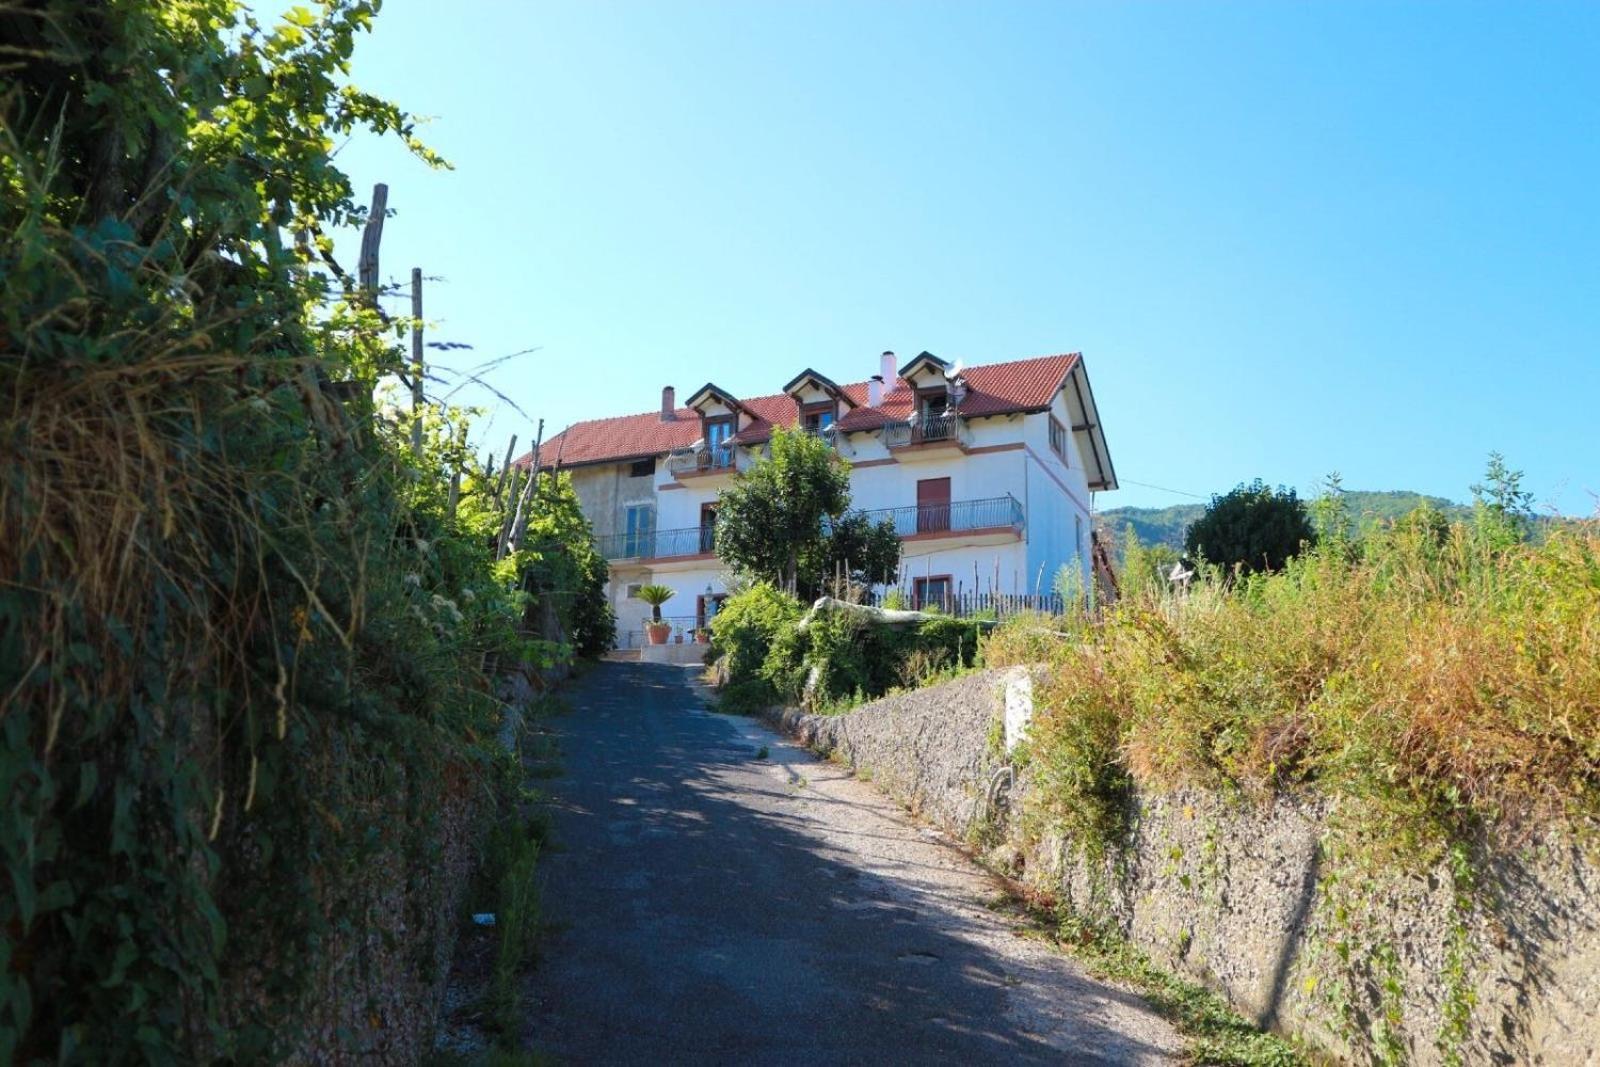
x: 414, y: 580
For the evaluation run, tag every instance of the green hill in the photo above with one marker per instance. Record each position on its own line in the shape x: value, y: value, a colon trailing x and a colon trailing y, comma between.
x: 1167, y: 525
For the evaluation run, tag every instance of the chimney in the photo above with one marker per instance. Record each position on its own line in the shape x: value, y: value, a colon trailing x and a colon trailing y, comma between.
x: 669, y: 403
x: 887, y: 370
x: 875, y: 391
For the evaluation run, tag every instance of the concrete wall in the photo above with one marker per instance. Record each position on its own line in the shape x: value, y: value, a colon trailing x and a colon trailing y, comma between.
x: 1262, y: 900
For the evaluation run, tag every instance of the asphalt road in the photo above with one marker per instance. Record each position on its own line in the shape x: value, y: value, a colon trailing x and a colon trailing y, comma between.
x: 709, y: 906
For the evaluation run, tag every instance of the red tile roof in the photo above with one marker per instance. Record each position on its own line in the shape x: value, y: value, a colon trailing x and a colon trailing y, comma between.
x: 995, y: 389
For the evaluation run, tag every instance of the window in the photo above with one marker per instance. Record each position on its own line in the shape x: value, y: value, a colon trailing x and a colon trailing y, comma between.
x: 932, y: 592
x: 718, y: 432
x: 640, y: 528
x: 932, y: 423
x: 816, y: 418
x: 633, y: 590
x: 1058, y: 439
x: 642, y: 468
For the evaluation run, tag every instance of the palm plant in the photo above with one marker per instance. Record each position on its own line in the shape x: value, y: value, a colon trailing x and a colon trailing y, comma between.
x: 655, y: 596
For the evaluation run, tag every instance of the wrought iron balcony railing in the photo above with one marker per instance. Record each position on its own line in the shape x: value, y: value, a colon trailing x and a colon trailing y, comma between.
x: 714, y: 459
x: 991, y: 513
x: 657, y: 544
x: 926, y: 429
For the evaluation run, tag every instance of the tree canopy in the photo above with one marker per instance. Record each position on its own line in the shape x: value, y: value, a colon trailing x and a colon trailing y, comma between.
x: 1252, y: 528
x: 787, y: 520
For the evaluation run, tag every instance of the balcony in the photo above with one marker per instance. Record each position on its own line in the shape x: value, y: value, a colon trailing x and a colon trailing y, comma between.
x: 991, y: 515
x: 932, y: 431
x: 827, y: 434
x: 657, y: 544
x: 702, y: 461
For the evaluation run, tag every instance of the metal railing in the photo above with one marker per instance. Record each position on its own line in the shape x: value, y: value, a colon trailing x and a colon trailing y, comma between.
x: 966, y: 605
x: 990, y: 513
x: 635, y: 637
x: 926, y: 429
x: 654, y: 544
x: 701, y: 460
x: 827, y: 435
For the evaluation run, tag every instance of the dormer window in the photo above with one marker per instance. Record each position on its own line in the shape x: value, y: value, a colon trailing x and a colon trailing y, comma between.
x: 818, y: 399
x: 818, y: 418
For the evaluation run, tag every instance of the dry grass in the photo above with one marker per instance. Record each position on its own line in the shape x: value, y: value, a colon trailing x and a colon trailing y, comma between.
x: 1445, y: 679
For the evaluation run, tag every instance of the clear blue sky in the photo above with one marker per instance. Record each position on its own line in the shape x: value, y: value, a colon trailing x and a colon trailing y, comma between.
x: 1288, y: 238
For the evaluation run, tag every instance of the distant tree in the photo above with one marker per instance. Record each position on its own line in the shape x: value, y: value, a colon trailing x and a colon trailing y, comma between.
x: 1502, y: 509
x: 787, y: 521
x: 1330, y: 511
x: 1253, y: 528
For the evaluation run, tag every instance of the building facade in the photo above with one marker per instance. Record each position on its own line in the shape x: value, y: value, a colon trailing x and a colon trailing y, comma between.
x: 987, y: 472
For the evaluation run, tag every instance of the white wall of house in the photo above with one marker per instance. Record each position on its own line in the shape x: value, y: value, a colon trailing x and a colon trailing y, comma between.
x: 1059, y: 503
x: 1005, y: 455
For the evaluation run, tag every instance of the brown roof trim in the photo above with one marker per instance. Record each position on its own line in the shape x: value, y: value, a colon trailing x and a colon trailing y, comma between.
x: 711, y: 389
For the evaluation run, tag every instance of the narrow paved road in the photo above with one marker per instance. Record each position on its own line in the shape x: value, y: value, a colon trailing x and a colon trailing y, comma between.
x: 708, y: 906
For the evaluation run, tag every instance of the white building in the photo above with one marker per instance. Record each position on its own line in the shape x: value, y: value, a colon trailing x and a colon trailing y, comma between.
x: 987, y: 472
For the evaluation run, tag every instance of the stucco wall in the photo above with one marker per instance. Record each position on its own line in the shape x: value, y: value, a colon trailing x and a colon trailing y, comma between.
x: 1262, y: 901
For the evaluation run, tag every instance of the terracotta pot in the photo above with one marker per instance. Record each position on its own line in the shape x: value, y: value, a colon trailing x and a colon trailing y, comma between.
x: 678, y: 639
x: 658, y: 632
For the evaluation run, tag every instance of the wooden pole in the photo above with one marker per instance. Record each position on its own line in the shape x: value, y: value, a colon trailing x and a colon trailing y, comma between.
x: 505, y: 468
x: 505, y: 519
x: 367, y: 268
x: 457, y: 462
x: 519, y: 525
x: 416, y: 361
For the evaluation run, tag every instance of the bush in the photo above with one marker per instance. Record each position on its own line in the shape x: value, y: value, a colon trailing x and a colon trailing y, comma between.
x: 742, y: 633
x: 842, y: 659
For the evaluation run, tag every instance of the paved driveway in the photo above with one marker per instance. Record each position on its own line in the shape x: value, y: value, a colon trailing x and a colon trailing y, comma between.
x: 712, y: 907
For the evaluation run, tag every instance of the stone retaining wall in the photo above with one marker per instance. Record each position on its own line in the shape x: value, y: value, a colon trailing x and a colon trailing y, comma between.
x: 1257, y: 899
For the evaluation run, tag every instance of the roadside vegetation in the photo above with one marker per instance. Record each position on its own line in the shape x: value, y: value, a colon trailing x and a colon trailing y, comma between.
x: 1445, y: 675
x: 835, y: 661
x: 250, y: 627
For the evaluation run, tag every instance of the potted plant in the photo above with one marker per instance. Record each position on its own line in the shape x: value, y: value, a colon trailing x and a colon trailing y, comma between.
x: 702, y: 635
x: 655, y: 596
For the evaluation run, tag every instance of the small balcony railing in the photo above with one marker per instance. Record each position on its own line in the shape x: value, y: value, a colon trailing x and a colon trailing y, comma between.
x: 701, y: 460
x: 826, y: 434
x: 926, y: 429
x: 657, y: 544
x: 992, y: 513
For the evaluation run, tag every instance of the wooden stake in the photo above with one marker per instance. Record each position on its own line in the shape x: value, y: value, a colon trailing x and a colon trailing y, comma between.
x: 416, y: 361
x: 367, y: 269
x: 519, y: 525
x: 505, y: 468
x: 505, y: 519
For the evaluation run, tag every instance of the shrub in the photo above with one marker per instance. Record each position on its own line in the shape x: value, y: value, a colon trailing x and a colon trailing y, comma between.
x: 742, y: 633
